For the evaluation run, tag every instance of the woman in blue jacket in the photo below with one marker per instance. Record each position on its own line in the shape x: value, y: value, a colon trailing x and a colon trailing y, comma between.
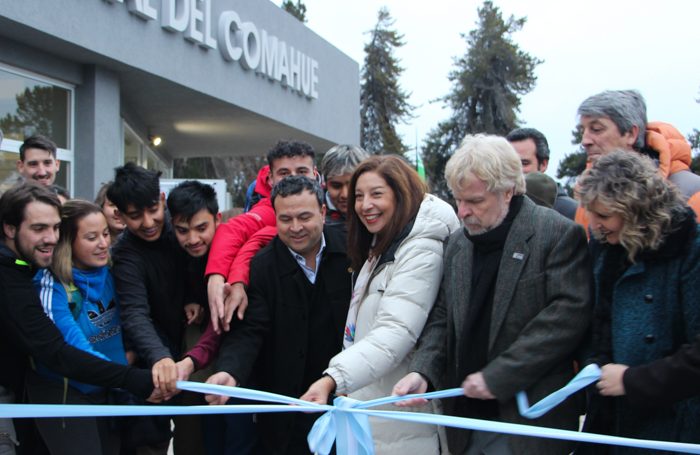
x: 77, y: 293
x: 646, y: 255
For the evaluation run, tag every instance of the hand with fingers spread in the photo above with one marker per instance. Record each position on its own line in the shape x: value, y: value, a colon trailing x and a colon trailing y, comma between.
x: 220, y: 378
x: 410, y: 384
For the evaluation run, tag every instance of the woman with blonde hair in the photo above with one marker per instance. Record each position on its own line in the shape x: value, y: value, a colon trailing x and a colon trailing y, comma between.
x: 646, y: 253
x: 77, y: 293
x: 396, y: 233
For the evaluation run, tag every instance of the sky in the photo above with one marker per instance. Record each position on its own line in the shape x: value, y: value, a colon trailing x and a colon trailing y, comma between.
x: 587, y: 47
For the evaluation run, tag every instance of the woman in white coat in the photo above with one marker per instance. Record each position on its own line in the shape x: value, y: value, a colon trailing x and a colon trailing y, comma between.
x: 396, y: 234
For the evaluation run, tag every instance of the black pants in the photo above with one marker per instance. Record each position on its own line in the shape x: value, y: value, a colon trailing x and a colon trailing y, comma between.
x: 94, y: 435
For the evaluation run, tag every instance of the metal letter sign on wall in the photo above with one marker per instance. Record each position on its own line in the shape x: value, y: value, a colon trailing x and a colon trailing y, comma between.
x: 240, y: 41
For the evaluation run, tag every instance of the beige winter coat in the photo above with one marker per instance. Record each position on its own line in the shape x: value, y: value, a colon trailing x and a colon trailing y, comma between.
x: 402, y: 290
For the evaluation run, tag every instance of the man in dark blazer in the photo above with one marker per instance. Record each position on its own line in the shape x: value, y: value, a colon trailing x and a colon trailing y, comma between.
x: 513, y: 307
x: 299, y: 292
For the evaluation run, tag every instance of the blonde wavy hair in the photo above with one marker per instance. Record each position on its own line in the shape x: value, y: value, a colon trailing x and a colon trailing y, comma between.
x: 629, y: 184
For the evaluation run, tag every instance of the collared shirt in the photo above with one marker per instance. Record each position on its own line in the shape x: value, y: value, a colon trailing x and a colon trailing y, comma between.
x: 329, y: 203
x: 308, y: 271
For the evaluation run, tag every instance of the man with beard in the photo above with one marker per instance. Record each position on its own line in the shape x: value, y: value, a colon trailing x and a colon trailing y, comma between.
x: 30, y: 217
x: 513, y: 307
x: 37, y: 160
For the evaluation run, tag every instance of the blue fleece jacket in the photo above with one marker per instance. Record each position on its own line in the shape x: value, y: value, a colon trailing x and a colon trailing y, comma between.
x: 96, y: 328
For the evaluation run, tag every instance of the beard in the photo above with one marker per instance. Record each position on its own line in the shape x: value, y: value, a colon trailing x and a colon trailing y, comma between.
x: 479, y: 227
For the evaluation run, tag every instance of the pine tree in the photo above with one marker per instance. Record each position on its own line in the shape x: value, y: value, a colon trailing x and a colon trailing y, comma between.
x: 574, y: 163
x: 694, y: 139
x: 487, y: 83
x: 383, y: 103
x: 297, y: 9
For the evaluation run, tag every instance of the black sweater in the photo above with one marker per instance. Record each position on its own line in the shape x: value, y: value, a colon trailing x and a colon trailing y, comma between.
x: 149, y: 278
x: 25, y: 331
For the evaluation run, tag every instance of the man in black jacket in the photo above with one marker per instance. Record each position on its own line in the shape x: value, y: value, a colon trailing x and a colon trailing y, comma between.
x: 148, y: 273
x: 299, y: 294
x: 149, y: 268
x: 30, y: 217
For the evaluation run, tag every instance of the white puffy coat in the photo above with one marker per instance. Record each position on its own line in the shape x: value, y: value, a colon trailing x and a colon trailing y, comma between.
x: 390, y: 319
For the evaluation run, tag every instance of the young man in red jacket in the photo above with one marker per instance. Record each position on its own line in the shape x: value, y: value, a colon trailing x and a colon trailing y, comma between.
x: 284, y: 159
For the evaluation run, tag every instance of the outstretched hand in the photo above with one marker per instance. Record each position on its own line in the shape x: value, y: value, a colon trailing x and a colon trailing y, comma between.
x: 475, y: 387
x: 410, y: 384
x: 611, y: 383
x: 236, y: 302
x: 220, y: 378
x: 216, y: 295
x: 320, y: 390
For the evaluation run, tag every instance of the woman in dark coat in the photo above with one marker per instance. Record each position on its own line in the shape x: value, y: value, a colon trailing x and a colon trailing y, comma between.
x: 646, y: 255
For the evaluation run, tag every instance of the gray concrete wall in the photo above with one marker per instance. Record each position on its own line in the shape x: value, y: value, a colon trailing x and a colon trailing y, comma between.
x: 98, y: 137
x: 83, y: 29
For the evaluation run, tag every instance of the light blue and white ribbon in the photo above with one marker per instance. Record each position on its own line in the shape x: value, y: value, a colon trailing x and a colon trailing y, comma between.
x: 347, y: 422
x: 587, y: 376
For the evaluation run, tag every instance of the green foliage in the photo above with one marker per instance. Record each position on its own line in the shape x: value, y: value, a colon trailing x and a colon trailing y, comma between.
x: 35, y: 109
x: 577, y: 135
x: 383, y: 103
x: 487, y: 83
x: 297, y: 9
x: 574, y: 163
x: 571, y: 167
x: 694, y: 139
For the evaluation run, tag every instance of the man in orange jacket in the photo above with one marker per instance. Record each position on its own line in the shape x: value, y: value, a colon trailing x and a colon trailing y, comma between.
x: 617, y: 120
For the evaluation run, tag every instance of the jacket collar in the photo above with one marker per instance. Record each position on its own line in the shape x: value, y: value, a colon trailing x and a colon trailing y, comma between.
x: 335, y: 244
x: 390, y: 253
x: 8, y: 257
x: 515, y: 255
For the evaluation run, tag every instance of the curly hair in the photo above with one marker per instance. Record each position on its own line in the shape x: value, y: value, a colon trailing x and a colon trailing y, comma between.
x: 628, y: 184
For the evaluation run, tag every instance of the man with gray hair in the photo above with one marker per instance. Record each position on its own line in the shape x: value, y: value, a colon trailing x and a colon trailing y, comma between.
x: 533, y: 149
x: 617, y: 120
x: 513, y: 307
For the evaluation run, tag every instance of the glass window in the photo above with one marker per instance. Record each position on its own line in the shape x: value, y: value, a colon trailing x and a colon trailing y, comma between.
x: 29, y: 106
x: 132, y: 146
x: 8, y: 170
x: 9, y: 175
x: 136, y: 150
